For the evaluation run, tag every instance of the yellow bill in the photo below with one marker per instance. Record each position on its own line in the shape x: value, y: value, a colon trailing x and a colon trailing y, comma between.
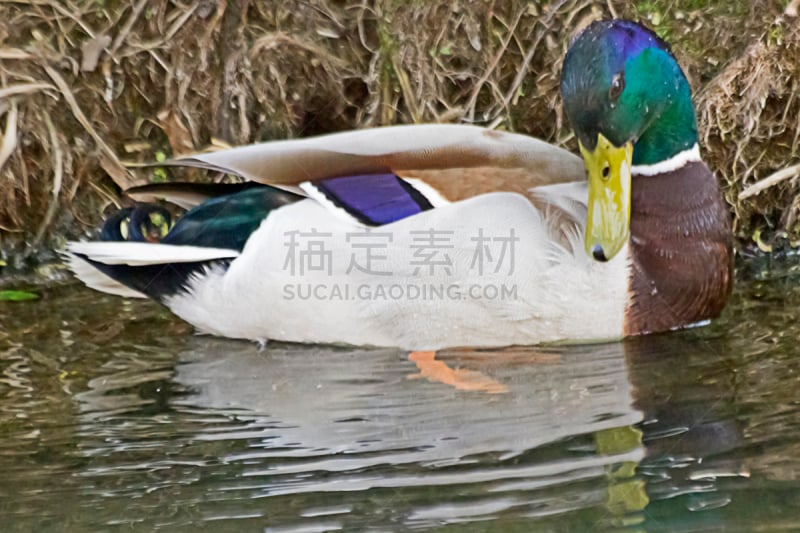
x: 609, y: 217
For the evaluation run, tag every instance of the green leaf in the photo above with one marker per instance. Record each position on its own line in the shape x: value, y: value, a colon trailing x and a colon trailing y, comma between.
x: 17, y: 296
x: 159, y: 175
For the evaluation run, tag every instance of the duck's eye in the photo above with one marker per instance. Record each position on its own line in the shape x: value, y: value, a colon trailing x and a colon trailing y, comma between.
x: 617, y: 86
x: 606, y: 171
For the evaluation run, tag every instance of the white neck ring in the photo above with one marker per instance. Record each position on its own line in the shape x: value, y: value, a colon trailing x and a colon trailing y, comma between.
x: 679, y: 160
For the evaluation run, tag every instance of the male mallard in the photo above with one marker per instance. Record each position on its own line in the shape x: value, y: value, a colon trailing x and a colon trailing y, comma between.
x: 400, y: 236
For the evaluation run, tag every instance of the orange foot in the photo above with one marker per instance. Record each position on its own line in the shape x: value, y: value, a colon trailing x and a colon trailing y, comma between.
x: 460, y: 378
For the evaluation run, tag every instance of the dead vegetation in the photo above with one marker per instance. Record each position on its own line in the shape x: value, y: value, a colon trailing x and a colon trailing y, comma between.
x: 750, y: 113
x: 89, y: 85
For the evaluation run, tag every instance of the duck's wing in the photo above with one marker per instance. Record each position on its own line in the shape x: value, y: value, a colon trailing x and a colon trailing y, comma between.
x: 369, y: 177
x: 452, y: 161
x: 188, y: 195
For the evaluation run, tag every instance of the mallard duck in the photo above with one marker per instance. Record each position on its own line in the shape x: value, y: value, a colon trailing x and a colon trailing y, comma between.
x: 434, y: 236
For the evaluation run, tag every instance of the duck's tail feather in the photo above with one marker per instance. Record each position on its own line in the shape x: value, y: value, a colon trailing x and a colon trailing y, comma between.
x: 145, y: 253
x: 140, y: 223
x: 141, y: 269
x: 95, y: 279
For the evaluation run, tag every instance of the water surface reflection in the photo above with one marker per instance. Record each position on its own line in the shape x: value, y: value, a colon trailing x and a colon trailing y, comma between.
x: 338, y: 427
x: 147, y: 427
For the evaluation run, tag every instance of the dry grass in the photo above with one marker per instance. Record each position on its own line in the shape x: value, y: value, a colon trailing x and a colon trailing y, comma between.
x: 750, y: 115
x: 87, y: 85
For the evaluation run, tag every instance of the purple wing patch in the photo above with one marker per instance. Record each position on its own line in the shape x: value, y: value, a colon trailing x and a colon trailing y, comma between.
x: 374, y: 199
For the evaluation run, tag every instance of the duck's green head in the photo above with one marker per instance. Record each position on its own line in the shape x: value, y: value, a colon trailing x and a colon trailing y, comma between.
x: 629, y: 104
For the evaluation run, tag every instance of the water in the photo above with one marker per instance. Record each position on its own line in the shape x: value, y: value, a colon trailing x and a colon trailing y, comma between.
x: 113, y: 416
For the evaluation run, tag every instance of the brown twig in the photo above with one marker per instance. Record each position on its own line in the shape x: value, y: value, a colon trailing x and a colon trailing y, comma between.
x: 24, y: 88
x: 9, y: 142
x: 473, y: 99
x: 770, y: 181
x: 127, y: 27
x: 108, y: 159
x: 58, y: 177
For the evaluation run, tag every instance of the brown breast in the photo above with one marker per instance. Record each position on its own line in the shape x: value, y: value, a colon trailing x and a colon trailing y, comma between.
x: 680, y: 248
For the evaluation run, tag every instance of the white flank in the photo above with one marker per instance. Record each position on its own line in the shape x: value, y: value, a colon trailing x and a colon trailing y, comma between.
x: 94, y: 279
x: 559, y: 293
x: 692, y: 155
x: 145, y: 253
x: 432, y: 195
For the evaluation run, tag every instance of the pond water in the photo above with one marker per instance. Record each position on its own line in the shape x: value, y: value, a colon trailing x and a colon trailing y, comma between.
x: 114, y: 416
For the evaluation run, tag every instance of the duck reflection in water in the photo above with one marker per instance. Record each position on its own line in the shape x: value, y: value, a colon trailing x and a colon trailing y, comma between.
x: 627, y: 429
x: 627, y: 433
